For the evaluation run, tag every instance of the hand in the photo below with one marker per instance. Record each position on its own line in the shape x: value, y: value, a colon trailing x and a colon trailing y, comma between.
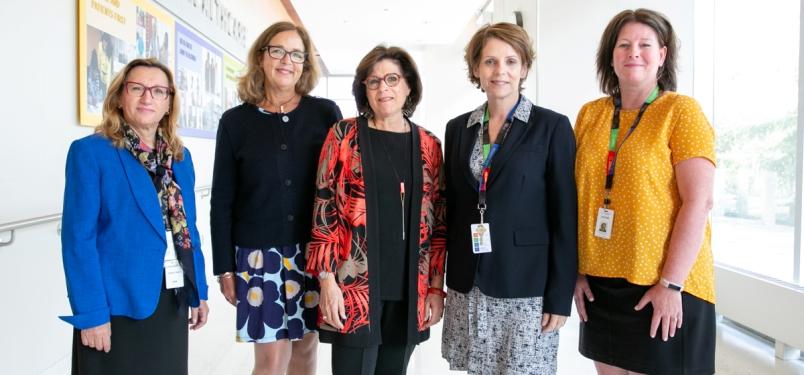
x: 552, y: 322
x: 582, y: 291
x: 667, y: 310
x: 227, y: 285
x: 99, y: 337
x: 434, y: 307
x: 331, y: 304
x: 199, y: 315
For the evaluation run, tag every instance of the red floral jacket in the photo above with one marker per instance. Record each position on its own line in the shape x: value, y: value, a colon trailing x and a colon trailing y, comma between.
x: 339, y: 236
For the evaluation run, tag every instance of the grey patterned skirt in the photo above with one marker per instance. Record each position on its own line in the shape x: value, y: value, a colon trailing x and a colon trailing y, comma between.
x: 492, y: 336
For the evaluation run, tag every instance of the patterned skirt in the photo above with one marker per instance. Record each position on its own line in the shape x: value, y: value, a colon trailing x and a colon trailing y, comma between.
x: 487, y: 335
x: 276, y: 300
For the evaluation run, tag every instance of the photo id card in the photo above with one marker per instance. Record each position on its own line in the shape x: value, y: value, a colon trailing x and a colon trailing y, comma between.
x: 604, y: 223
x: 174, y: 275
x: 481, y: 238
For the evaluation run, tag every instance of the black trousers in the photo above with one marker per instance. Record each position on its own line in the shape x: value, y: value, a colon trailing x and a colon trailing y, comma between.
x: 389, y: 358
x: 155, y: 345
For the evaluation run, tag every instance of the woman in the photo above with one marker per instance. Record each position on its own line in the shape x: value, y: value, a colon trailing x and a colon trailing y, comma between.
x: 381, y: 280
x: 131, y: 249
x: 262, y: 189
x: 511, y: 221
x: 646, y: 154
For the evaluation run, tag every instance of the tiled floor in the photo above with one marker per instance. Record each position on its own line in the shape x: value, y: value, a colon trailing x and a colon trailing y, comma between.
x: 737, y: 354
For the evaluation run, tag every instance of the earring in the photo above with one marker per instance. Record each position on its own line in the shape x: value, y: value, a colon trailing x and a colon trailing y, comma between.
x: 406, y: 109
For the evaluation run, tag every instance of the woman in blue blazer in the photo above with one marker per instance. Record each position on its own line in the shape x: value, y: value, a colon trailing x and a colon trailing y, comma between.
x: 130, y: 246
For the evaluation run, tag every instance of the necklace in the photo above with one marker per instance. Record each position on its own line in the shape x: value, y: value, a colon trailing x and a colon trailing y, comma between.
x: 400, y: 179
x: 281, y: 107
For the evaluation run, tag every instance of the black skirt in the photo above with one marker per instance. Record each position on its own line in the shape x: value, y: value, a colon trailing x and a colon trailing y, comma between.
x: 617, y: 335
x: 154, y: 345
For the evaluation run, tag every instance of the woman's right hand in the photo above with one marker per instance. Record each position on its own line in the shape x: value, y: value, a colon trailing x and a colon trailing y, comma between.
x: 331, y: 303
x: 99, y: 338
x: 228, y: 290
x: 581, y: 295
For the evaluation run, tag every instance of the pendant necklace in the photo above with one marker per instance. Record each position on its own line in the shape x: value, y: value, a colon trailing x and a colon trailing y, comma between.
x: 401, y: 181
x: 281, y: 107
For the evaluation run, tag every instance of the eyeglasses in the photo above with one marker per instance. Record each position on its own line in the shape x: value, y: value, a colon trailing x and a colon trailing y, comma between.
x: 138, y: 89
x: 279, y: 53
x: 391, y: 79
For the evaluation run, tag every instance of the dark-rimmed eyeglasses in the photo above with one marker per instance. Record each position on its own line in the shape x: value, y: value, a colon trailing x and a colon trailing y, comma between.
x: 391, y: 79
x: 278, y: 53
x: 138, y: 89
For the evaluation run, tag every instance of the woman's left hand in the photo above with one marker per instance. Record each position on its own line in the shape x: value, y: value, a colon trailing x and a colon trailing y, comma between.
x: 667, y: 310
x: 552, y: 322
x: 434, y: 305
x: 199, y: 315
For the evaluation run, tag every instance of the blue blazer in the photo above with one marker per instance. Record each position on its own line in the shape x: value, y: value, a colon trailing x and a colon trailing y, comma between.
x: 113, y: 237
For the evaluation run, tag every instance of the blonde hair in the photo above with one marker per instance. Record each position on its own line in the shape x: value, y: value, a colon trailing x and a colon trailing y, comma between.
x: 111, y: 126
x: 251, y: 86
x: 509, y: 33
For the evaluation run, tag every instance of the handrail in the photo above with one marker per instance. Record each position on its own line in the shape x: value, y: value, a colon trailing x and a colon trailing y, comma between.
x: 12, y: 226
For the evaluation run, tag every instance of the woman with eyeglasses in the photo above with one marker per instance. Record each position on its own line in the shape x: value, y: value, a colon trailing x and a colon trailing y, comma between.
x: 262, y: 187
x: 378, y: 234
x: 130, y: 246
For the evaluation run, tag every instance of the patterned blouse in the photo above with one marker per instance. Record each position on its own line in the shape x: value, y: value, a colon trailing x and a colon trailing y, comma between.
x: 339, y: 241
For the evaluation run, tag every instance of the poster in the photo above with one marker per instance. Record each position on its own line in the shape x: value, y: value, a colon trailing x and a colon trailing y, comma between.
x: 113, y: 32
x: 232, y: 70
x: 199, y: 79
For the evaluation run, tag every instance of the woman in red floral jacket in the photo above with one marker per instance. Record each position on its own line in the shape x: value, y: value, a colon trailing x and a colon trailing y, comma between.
x: 379, y: 211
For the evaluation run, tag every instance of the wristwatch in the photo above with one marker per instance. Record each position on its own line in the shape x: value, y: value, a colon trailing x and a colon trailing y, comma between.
x: 670, y: 285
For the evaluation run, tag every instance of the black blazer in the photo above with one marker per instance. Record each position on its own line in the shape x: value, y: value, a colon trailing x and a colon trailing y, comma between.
x: 532, y: 209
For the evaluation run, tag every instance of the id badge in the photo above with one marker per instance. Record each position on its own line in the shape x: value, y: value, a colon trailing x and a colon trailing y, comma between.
x: 604, y: 223
x: 481, y: 238
x: 174, y: 275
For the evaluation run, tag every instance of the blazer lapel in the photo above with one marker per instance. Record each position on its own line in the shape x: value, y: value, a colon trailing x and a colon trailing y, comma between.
x: 508, y: 148
x: 143, y: 190
x: 465, y: 146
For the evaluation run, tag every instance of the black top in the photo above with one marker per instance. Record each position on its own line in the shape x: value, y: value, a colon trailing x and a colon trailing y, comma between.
x: 392, y: 157
x: 532, y: 210
x: 263, y: 181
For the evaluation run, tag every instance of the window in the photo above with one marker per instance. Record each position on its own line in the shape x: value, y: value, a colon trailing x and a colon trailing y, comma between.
x: 754, y: 112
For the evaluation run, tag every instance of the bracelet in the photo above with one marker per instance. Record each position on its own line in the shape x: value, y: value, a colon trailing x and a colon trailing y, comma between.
x: 225, y: 275
x: 437, y: 291
x: 323, y: 275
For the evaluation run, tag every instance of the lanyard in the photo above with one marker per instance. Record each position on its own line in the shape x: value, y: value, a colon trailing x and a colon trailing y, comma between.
x: 613, y: 150
x: 489, y: 151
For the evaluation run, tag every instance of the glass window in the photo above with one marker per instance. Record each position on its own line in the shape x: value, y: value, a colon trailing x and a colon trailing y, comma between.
x: 755, y: 106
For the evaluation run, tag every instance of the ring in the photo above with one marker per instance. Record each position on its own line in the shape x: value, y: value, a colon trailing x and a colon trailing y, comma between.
x: 325, y: 317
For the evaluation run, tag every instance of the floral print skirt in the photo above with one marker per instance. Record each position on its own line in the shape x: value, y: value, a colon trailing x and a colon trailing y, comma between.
x: 276, y: 300
x: 494, y: 336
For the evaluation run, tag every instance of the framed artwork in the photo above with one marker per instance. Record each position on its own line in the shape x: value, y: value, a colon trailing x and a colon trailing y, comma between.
x: 113, y: 32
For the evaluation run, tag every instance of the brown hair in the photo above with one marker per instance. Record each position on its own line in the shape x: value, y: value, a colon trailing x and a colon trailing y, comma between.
x: 251, y: 86
x: 509, y: 33
x: 409, y: 71
x: 609, y: 83
x: 111, y: 126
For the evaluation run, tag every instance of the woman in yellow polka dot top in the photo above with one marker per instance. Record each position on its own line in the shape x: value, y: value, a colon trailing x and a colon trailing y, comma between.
x: 644, y: 169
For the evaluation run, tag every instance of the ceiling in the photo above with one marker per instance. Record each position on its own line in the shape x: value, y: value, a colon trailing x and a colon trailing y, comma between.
x: 345, y: 30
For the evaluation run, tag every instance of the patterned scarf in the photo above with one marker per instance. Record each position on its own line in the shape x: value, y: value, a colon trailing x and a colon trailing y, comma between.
x: 159, y: 164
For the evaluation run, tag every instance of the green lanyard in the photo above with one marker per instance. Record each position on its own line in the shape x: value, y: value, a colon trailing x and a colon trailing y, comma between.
x: 611, y: 160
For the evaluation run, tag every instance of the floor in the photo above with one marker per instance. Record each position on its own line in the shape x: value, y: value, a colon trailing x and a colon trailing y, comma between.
x: 738, y: 353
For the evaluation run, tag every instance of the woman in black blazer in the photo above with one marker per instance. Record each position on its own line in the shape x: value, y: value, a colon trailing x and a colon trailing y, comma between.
x: 511, y: 217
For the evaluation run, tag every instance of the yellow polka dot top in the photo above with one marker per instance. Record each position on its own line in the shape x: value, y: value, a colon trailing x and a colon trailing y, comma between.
x: 645, y: 196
